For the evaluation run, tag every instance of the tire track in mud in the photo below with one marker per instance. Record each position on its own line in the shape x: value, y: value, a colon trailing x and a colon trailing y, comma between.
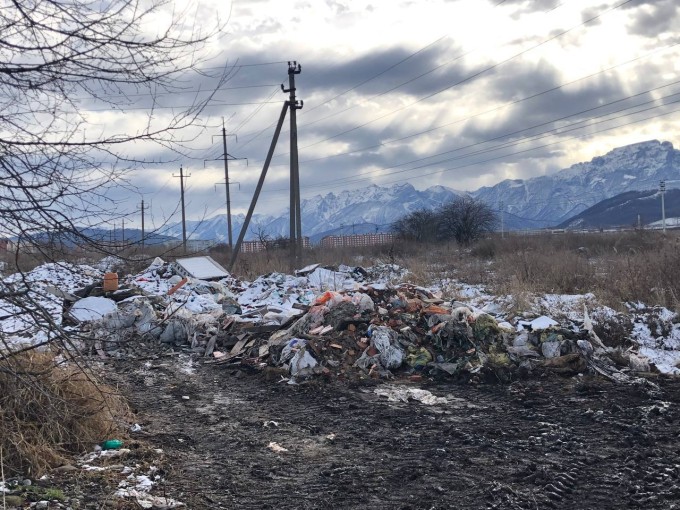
x: 534, y: 444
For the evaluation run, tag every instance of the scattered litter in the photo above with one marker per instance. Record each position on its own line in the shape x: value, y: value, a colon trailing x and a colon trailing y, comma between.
x: 400, y: 394
x: 92, y: 308
x: 276, y: 447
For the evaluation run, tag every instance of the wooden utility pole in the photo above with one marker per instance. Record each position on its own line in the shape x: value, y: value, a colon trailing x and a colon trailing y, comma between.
x: 184, y: 221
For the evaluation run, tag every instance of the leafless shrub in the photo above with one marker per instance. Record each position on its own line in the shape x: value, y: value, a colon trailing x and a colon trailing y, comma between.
x: 49, y: 410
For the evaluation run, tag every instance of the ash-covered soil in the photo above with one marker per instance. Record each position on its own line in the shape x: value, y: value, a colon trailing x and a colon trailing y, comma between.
x: 543, y: 443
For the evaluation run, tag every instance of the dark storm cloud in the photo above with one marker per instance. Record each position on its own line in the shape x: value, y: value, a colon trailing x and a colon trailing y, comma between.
x: 383, y: 70
x: 652, y: 18
x: 545, y: 110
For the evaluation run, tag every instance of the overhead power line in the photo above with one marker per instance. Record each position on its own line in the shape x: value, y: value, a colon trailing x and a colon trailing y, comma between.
x: 470, y: 77
x: 372, y: 176
x: 258, y: 134
x: 492, y: 110
x: 536, y: 148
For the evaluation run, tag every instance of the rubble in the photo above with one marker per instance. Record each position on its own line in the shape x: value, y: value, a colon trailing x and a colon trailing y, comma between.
x: 346, y: 323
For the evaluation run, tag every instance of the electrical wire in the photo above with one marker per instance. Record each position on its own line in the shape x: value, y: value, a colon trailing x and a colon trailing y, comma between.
x: 306, y: 112
x: 492, y: 110
x: 470, y: 77
x: 552, y: 121
x: 328, y: 185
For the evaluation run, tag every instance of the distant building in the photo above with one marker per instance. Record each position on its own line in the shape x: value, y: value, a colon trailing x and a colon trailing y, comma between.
x: 257, y: 246
x: 358, y: 240
x: 200, y: 244
x: 252, y: 246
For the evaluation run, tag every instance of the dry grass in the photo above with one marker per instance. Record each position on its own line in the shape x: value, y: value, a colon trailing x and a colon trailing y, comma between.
x: 49, y: 410
x: 617, y: 267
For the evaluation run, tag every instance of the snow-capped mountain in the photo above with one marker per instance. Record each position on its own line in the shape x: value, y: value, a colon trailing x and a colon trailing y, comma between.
x: 549, y: 200
x: 373, y: 208
x: 215, y: 228
x: 628, y: 209
x: 376, y: 205
x: 531, y: 203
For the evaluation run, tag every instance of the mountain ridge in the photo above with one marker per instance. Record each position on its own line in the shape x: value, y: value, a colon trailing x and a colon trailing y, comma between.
x: 538, y: 202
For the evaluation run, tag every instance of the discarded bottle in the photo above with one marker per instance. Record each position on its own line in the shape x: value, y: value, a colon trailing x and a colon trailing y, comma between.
x: 112, y: 444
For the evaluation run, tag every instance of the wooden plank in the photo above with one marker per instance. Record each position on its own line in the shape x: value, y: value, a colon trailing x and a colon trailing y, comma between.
x: 262, y: 329
x: 238, y: 348
x: 211, y: 345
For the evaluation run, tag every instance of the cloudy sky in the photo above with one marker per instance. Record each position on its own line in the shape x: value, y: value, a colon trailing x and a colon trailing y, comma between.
x: 462, y: 93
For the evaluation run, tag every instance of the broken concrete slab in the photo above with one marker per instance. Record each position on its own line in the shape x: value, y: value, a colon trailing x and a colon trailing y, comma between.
x: 202, y: 268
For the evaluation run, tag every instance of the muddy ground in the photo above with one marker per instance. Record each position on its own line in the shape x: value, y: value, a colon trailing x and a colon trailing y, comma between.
x: 549, y: 442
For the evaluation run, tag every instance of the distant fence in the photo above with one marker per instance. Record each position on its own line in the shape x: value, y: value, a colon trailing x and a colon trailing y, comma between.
x: 356, y: 240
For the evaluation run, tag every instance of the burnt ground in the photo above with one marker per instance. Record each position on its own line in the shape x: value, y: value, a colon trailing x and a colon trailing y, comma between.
x: 548, y: 442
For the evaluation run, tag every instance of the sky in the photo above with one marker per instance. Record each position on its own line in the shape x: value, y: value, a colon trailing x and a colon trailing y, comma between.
x: 459, y: 93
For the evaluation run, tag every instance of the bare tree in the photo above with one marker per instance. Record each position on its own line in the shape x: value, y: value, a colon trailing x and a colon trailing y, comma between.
x: 419, y: 226
x: 465, y: 220
x: 59, y: 161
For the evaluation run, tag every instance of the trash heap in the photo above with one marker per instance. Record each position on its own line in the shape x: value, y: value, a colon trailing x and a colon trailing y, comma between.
x: 406, y: 331
x: 370, y: 325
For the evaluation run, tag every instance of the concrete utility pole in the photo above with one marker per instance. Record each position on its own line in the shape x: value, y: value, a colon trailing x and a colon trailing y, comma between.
x: 142, y: 209
x: 502, y: 220
x: 295, y: 219
x: 662, y: 190
x: 226, y: 157
x: 226, y: 181
x: 184, y: 222
x: 258, y: 188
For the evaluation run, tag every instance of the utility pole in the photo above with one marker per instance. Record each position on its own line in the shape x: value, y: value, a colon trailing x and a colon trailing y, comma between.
x: 226, y: 181
x: 662, y: 190
x: 142, y: 209
x: 258, y: 188
x: 184, y: 222
x: 502, y: 221
x: 295, y: 219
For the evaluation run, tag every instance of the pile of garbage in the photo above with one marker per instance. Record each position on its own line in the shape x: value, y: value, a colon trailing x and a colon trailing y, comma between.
x: 344, y: 322
x: 407, y: 331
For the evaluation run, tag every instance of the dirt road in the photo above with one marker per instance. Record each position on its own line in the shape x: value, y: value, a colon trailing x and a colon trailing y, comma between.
x: 545, y: 443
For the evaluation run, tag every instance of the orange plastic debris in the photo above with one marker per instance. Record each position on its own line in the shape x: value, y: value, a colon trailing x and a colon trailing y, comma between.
x: 176, y: 287
x: 323, y: 298
x: 438, y: 310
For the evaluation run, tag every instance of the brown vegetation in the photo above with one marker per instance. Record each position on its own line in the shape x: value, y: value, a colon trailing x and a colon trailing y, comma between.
x: 617, y: 267
x: 49, y: 409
